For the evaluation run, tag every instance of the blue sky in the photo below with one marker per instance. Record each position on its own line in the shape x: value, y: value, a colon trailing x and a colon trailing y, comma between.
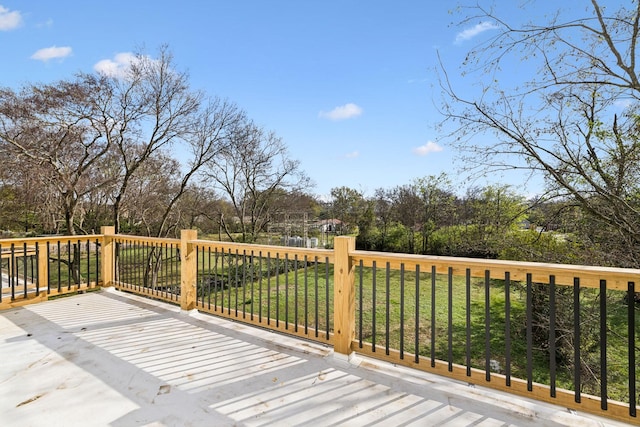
x: 350, y: 86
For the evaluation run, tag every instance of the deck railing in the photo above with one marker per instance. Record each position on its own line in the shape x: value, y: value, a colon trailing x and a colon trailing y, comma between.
x: 562, y: 334
x: 34, y: 269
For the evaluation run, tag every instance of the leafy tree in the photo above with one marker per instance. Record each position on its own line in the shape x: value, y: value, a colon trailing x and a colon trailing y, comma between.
x: 408, y: 212
x: 348, y: 205
x: 436, y: 197
x: 383, y: 211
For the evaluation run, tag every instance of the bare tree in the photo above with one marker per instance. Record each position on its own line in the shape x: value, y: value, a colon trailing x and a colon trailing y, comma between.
x: 574, y: 120
x: 254, y: 170
x: 51, y: 129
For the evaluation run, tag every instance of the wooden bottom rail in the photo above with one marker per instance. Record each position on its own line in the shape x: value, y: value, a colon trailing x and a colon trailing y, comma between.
x: 43, y: 295
x: 269, y: 323
x: 565, y: 398
x: 31, y: 298
x: 147, y: 292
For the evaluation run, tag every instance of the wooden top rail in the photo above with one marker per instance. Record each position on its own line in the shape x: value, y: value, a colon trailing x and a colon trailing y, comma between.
x: 31, y: 241
x: 288, y: 250
x: 153, y: 240
x: 589, y: 276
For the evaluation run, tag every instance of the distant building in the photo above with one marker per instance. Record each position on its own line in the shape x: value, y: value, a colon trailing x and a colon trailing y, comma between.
x: 328, y: 225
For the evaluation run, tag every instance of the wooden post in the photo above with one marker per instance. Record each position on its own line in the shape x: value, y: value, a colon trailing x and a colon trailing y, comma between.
x: 344, y: 295
x: 106, y: 255
x: 188, y: 270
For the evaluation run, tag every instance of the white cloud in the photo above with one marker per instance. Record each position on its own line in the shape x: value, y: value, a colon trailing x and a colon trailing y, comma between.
x: 429, y: 147
x: 470, y: 33
x: 52, y: 52
x: 9, y: 20
x: 116, y: 67
x: 352, y: 155
x: 342, y: 112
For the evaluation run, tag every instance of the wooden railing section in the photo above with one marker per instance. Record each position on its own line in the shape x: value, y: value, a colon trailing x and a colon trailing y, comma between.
x: 437, y: 314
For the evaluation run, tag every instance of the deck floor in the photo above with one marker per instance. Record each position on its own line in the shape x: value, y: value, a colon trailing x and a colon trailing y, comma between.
x: 108, y: 358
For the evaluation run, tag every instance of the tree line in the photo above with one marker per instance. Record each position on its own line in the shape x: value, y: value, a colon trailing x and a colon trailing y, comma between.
x: 428, y: 216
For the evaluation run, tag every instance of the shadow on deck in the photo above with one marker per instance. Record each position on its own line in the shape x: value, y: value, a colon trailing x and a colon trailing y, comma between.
x: 110, y: 358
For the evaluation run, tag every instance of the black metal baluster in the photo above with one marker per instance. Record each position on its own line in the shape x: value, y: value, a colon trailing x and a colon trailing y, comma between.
x: 88, y: 264
x: 128, y: 271
x: 137, y: 263
x: 450, y: 319
x: 219, y: 280
x: 252, y: 281
x: 386, y: 320
x: 277, y: 289
x: 69, y: 265
x: 603, y: 345
x: 260, y: 275
x: 229, y: 284
x: 12, y: 272
x: 175, y: 262
x: 529, y: 332
x: 79, y: 254
x: 576, y: 340
x: 297, y: 291
x: 236, y: 280
x: 24, y: 268
x: 487, y: 325
x: 37, y: 272
x: 168, y: 268
x: 286, y: 291
x: 306, y: 299
x: 374, y: 274
x: 401, y: 311
x: 433, y: 316
x: 144, y: 262
x: 417, y: 320
x: 97, y: 251
x: 59, y: 268
x: 360, y: 308
x: 268, y: 288
x: 125, y: 267
x: 468, y: 319
x: 552, y: 336
x: 209, y: 281
x: 632, y: 347
x: 202, y: 272
x: 244, y: 284
x: 136, y: 266
x: 168, y: 271
x: 507, y: 327
x: 296, y: 282
x: 326, y: 296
